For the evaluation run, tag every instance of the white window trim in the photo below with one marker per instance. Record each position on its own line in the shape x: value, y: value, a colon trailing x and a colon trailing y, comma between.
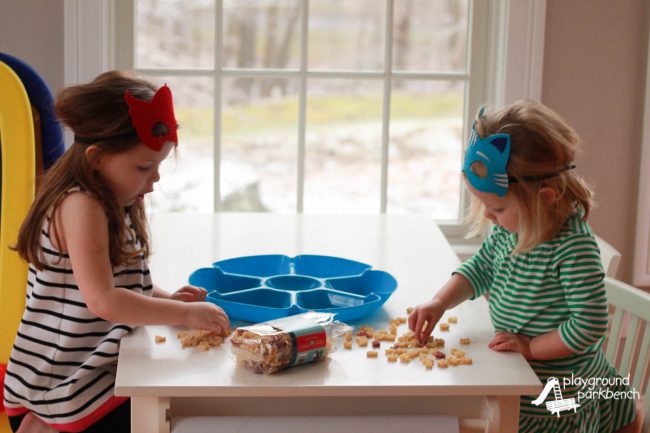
x: 513, y: 43
x: 641, y: 268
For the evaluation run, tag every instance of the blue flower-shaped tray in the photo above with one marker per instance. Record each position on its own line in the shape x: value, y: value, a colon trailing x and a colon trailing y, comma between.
x: 266, y: 287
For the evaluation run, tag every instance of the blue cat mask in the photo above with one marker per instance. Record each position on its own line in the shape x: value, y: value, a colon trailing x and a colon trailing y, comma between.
x: 493, y: 152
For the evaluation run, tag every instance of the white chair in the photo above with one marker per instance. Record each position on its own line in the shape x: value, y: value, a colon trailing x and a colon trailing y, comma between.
x: 610, y: 257
x: 631, y: 355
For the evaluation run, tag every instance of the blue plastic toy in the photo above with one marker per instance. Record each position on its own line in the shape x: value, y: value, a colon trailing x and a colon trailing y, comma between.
x: 267, y: 287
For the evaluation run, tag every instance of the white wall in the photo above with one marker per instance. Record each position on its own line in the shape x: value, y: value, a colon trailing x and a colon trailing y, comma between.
x: 33, y: 31
x: 594, y: 73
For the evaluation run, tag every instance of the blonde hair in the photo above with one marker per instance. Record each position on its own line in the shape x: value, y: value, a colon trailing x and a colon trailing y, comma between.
x: 95, y: 109
x: 541, y: 143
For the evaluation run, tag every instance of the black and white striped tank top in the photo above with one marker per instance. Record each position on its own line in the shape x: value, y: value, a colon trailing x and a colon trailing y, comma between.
x: 63, y: 363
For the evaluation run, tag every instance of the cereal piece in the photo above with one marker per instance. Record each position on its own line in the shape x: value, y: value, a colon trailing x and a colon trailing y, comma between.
x: 362, y: 341
x: 365, y: 331
x: 409, y: 310
x: 444, y: 326
x: 442, y: 363
x: 202, y: 339
x: 348, y: 336
x: 405, y: 358
x: 439, y: 342
x: 458, y: 353
x: 453, y: 361
x: 407, y: 336
x: 466, y: 361
x: 160, y: 339
x: 428, y: 364
x: 452, y: 319
x: 392, y: 358
x: 380, y: 335
x: 376, y: 343
x: 347, y: 344
x: 372, y: 354
x: 393, y: 330
x: 464, y: 341
x: 413, y: 354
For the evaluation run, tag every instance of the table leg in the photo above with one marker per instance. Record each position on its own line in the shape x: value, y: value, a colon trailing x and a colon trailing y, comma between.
x: 149, y: 415
x: 503, y: 414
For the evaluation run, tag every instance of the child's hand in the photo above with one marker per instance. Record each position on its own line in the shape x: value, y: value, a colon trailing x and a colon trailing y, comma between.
x: 507, y: 342
x: 205, y: 315
x: 190, y: 294
x: 424, y: 318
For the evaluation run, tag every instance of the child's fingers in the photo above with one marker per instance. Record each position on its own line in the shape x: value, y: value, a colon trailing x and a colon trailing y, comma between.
x: 427, y: 331
x: 504, y: 346
x: 183, y: 296
x: 501, y: 347
x: 412, y: 320
x: 499, y: 338
x: 419, y: 325
x: 196, y: 291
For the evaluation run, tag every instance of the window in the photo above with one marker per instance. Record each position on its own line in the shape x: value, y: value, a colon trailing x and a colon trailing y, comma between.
x: 313, y: 106
x: 333, y: 112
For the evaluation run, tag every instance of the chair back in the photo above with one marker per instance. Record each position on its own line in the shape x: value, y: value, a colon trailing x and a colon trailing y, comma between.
x: 630, y: 354
x: 18, y: 176
x: 48, y: 132
x: 610, y: 257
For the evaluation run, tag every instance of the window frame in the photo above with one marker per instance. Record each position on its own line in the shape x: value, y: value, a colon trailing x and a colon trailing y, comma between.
x: 505, y: 51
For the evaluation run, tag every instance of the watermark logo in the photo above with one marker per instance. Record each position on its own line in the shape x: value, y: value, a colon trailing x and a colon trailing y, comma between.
x: 591, y: 388
x: 558, y: 405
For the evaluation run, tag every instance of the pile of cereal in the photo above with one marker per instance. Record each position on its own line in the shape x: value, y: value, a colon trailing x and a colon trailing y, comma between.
x: 200, y: 338
x: 406, y: 347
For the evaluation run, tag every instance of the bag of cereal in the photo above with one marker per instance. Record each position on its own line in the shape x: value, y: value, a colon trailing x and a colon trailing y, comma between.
x: 295, y: 340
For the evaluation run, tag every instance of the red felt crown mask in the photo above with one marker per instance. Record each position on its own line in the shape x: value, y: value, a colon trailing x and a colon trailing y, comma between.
x: 154, y: 120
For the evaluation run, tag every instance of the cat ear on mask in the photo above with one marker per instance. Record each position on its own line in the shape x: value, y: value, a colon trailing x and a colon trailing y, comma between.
x: 491, y: 154
x: 154, y: 120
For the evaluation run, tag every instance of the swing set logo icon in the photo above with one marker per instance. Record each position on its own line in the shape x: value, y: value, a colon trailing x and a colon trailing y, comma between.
x: 558, y: 405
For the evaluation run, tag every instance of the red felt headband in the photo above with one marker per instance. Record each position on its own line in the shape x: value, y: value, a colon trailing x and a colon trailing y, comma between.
x: 154, y: 120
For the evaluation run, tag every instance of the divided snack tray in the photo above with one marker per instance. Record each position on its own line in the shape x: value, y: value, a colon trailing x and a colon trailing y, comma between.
x: 267, y: 287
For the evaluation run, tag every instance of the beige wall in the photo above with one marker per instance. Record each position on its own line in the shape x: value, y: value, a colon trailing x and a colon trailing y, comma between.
x: 594, y: 73
x: 33, y: 31
x: 594, y: 66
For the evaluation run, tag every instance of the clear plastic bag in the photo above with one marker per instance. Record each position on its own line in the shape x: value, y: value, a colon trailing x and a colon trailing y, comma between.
x: 295, y: 340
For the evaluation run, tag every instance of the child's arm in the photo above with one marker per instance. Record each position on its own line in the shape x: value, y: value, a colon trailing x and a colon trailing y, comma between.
x: 186, y: 293
x: 471, y: 280
x: 580, y: 274
x: 425, y: 316
x: 83, y: 227
x: 542, y: 347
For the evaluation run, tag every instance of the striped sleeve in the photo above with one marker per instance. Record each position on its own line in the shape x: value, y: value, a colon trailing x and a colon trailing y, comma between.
x: 581, y: 275
x: 479, y: 269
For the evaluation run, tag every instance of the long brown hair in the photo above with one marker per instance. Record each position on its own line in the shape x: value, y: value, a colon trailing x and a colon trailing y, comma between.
x: 541, y: 143
x: 95, y: 109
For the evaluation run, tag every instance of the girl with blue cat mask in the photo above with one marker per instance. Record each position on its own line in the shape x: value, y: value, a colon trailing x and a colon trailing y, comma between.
x: 540, y: 263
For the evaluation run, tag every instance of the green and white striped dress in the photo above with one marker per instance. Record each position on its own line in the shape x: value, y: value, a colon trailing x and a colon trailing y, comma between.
x: 556, y: 285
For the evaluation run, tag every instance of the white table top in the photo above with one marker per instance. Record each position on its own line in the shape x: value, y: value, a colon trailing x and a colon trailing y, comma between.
x: 411, y: 248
